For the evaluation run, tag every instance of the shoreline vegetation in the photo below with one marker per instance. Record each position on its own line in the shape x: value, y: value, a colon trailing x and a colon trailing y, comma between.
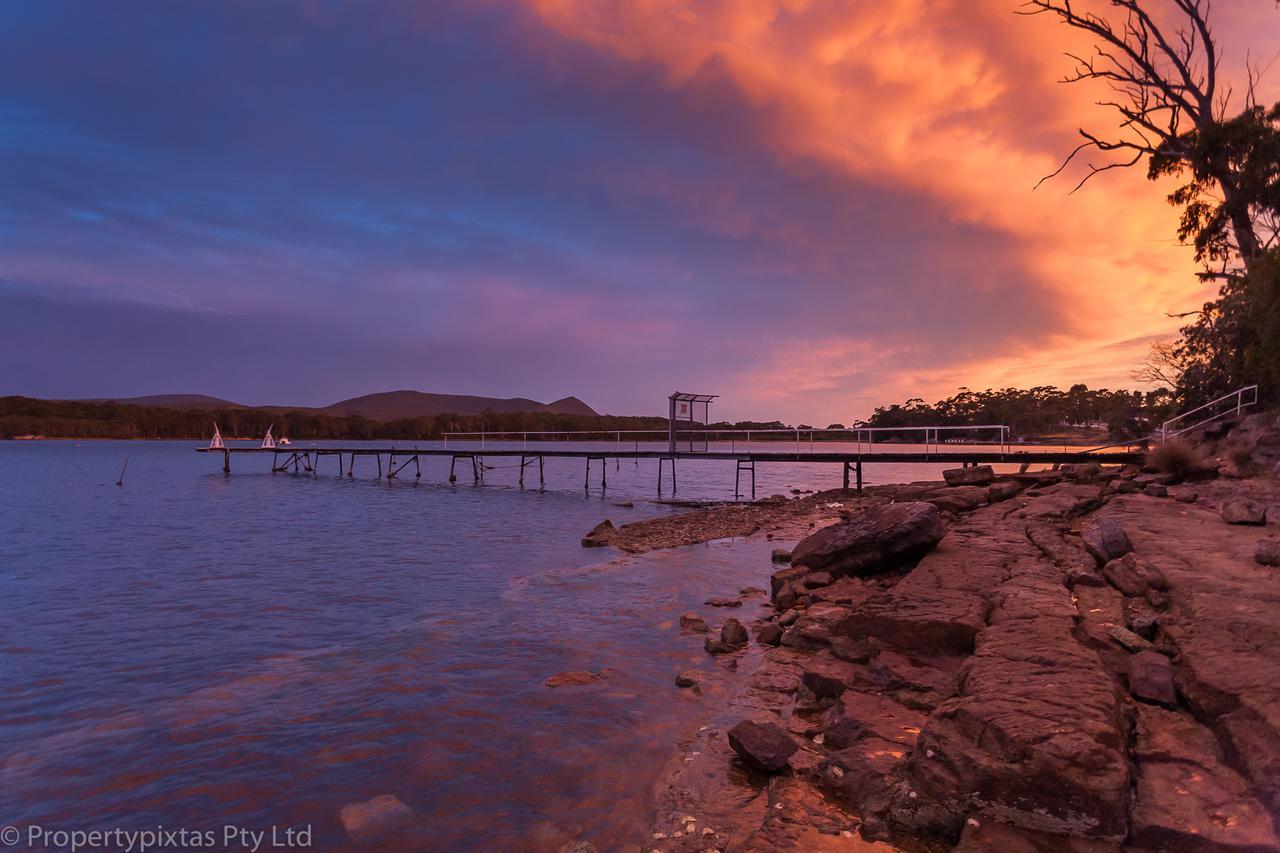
x: 1042, y: 412
x: 1060, y: 660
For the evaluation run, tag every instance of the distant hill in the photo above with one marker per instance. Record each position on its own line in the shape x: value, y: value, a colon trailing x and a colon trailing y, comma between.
x: 391, y: 405
x: 171, y: 401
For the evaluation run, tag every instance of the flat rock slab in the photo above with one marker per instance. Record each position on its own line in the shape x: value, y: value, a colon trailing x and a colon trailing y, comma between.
x: 1037, y: 731
x: 1222, y: 619
x: 876, y: 539
x: 1186, y: 796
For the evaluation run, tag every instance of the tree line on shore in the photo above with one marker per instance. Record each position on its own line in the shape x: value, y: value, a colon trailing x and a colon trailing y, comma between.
x: 1043, y: 410
x: 1028, y: 413
x: 76, y: 419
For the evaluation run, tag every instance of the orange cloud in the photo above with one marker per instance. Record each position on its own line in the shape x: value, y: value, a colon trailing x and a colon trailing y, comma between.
x: 956, y: 101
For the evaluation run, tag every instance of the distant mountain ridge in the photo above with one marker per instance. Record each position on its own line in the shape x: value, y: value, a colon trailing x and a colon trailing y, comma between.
x: 391, y: 405
x: 384, y: 406
x: 171, y: 401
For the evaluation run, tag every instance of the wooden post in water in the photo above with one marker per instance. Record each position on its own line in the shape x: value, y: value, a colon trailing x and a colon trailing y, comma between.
x: 226, y: 460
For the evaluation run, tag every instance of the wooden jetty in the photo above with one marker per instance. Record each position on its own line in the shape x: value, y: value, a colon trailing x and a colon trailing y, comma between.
x: 399, y: 459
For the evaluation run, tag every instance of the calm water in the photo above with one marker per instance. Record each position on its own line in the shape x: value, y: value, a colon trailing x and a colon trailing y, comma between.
x: 196, y: 650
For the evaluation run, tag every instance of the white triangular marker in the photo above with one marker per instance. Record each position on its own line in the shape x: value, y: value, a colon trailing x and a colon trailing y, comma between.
x: 269, y: 443
x: 216, y: 444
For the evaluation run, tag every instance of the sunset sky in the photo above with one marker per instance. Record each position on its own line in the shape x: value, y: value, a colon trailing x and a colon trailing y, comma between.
x: 807, y: 207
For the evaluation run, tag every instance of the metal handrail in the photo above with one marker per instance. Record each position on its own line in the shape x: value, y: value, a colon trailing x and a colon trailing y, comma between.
x: 932, y: 434
x: 1238, y: 394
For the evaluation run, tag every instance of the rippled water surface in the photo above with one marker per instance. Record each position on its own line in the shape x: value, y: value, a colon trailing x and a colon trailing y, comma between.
x: 193, y: 649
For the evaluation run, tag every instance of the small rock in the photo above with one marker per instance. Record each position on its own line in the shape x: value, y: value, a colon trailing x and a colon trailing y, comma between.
x: 733, y: 632
x: 785, y: 598
x: 694, y: 622
x: 598, y: 535
x: 572, y: 678
x: 1134, y: 577
x: 1105, y: 540
x: 769, y: 635
x: 374, y: 818
x: 979, y: 475
x: 1184, y: 496
x: 1128, y: 639
x: 788, y: 618
x: 764, y: 746
x: 1268, y: 552
x: 688, y: 678
x: 780, y: 555
x: 1003, y: 490
x: 1241, y: 511
x: 1155, y: 490
x: 1125, y: 486
x: 723, y: 602
x: 1151, y: 678
x: 851, y: 650
x: 751, y: 590
x: 816, y: 580
x: 843, y: 735
x: 824, y: 685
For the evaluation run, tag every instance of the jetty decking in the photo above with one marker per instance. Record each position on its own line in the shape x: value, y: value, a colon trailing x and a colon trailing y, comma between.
x: 398, y: 459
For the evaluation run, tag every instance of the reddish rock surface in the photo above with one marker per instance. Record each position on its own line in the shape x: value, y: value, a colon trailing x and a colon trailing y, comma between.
x: 873, y: 540
x: 1012, y: 691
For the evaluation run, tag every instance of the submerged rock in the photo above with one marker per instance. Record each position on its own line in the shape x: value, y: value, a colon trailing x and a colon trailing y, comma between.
x: 1268, y: 552
x: 367, y: 821
x: 780, y: 555
x: 733, y: 636
x: 694, y: 622
x: 599, y: 535
x: 764, y: 746
x: 573, y: 678
x: 723, y: 602
x: 874, y: 540
x: 688, y: 678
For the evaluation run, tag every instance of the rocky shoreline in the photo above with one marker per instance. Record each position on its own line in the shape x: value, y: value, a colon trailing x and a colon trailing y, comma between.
x: 1077, y: 660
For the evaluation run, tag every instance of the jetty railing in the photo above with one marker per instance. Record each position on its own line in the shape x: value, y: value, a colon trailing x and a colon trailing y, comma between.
x: 799, y: 436
x: 1241, y: 397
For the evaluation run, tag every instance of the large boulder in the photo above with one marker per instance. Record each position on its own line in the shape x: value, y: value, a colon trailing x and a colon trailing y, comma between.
x: 1105, y: 540
x: 979, y: 475
x: 764, y: 746
x: 874, y: 540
